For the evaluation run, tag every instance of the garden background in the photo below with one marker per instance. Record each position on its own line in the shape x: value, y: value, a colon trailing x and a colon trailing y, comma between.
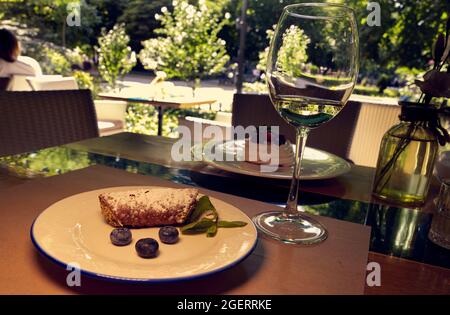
x: 199, y: 42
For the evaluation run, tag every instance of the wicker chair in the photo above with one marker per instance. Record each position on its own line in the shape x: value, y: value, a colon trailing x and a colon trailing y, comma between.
x: 110, y: 114
x: 35, y: 120
x: 334, y: 136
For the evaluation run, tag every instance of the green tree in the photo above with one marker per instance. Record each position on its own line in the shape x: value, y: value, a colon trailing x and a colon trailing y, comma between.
x: 264, y: 54
x: 115, y: 57
x: 405, y: 37
x: 261, y: 15
x: 188, y: 47
x: 109, y: 12
x: 138, y: 17
x: 292, y: 55
x: 49, y: 16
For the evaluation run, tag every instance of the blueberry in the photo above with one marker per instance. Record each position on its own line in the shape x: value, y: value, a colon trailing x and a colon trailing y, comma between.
x: 168, y: 234
x: 147, y: 247
x: 120, y: 236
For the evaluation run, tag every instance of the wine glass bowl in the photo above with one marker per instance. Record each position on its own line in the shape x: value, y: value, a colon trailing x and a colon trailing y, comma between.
x: 312, y: 69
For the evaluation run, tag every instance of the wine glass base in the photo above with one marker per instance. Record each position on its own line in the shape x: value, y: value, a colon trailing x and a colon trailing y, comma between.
x: 295, y: 230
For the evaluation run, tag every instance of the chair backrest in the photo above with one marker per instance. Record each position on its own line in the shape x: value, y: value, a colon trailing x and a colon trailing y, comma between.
x: 257, y: 110
x: 52, y: 84
x: 334, y: 136
x: 19, y: 83
x: 35, y: 120
x: 224, y: 117
x: 374, y: 120
x: 111, y: 110
x: 4, y: 83
x: 197, y: 124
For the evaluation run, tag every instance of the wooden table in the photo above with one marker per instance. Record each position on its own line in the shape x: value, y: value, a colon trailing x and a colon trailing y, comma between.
x: 399, y: 276
x: 159, y: 103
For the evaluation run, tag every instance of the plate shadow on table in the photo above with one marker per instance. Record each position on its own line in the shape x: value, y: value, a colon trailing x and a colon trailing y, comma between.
x: 219, y: 283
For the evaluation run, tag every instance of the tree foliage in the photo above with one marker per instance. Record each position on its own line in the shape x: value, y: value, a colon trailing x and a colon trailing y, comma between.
x: 261, y: 15
x: 138, y: 17
x: 292, y: 56
x: 404, y: 39
x: 49, y: 16
x: 188, y: 47
x: 115, y: 57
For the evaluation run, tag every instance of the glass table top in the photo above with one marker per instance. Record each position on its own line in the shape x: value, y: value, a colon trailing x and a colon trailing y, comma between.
x: 399, y: 232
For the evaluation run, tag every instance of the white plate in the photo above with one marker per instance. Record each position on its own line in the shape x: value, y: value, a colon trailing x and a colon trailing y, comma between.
x: 316, y: 164
x: 73, y: 231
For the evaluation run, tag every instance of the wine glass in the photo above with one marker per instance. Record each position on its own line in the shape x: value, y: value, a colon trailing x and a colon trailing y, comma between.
x: 312, y: 68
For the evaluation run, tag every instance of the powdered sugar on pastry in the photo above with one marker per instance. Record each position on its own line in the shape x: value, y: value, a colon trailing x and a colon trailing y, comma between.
x: 148, y: 207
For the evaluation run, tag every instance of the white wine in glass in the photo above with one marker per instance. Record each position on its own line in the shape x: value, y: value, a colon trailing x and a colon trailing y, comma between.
x: 312, y: 69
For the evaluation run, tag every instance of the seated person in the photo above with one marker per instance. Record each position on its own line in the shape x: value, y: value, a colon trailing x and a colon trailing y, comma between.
x: 11, y: 63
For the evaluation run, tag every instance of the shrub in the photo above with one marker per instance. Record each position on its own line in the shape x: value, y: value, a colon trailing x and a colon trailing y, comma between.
x: 53, y: 61
x: 366, y: 90
x: 142, y: 118
x: 255, y: 87
x: 115, y: 57
x: 189, y: 47
x: 86, y: 81
x: 292, y: 54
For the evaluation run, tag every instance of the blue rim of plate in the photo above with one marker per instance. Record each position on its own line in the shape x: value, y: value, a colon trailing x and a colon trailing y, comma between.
x: 136, y: 280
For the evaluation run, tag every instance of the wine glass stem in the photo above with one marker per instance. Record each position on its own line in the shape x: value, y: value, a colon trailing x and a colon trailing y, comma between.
x: 291, y: 210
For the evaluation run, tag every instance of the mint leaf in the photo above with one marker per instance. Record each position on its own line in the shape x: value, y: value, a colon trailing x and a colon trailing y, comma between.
x: 203, y: 205
x: 231, y: 224
x: 198, y: 227
x: 212, y: 231
x: 205, y: 219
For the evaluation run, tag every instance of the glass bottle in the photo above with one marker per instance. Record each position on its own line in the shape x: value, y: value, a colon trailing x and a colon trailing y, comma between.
x: 442, y: 165
x: 406, y: 158
x: 440, y: 226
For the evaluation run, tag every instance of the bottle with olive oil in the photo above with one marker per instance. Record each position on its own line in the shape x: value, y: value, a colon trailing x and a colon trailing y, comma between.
x: 406, y: 158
